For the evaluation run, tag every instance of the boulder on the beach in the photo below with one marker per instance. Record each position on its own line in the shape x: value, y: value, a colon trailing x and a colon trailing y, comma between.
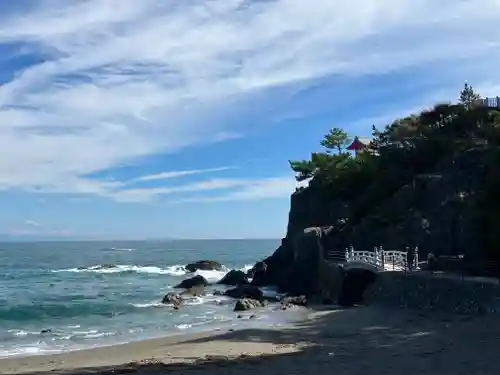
x: 172, y: 299
x: 234, y: 277
x: 288, y: 302
x: 204, y: 265
x: 193, y: 281
x: 245, y: 291
x: 248, y: 303
x: 195, y: 291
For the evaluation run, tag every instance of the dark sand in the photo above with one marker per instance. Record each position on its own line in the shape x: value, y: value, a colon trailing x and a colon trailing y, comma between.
x: 344, y: 342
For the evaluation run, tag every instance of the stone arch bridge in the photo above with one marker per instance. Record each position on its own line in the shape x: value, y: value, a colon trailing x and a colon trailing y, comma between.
x: 378, y: 260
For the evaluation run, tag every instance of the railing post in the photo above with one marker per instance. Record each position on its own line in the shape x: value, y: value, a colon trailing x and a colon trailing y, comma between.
x: 376, y: 255
x: 415, y: 258
x: 347, y: 254
x: 383, y: 257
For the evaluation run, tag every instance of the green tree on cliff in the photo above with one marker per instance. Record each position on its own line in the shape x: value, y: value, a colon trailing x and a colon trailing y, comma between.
x: 324, y: 162
x: 468, y: 96
x: 335, y: 140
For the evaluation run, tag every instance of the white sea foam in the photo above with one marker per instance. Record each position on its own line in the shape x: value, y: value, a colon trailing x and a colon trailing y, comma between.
x: 20, y: 332
x: 211, y: 276
x: 246, y: 268
x: 148, y: 304
x: 172, y: 270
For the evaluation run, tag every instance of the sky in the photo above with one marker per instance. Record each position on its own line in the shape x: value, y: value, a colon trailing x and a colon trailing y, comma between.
x: 176, y: 119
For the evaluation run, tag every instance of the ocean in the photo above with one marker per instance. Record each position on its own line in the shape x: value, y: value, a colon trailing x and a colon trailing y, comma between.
x: 54, y: 298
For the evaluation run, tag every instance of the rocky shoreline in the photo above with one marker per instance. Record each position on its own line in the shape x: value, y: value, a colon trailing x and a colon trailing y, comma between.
x: 241, y: 288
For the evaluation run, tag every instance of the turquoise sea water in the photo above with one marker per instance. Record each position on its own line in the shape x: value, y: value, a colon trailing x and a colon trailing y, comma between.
x: 56, y: 286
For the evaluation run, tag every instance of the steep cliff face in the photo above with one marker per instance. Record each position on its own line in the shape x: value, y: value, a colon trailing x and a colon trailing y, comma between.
x: 437, y: 211
x: 441, y: 211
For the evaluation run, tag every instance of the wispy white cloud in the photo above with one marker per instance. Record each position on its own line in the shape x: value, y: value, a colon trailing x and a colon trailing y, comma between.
x: 235, y: 189
x: 175, y: 174
x: 277, y: 187
x: 35, y: 228
x: 122, y: 79
x: 33, y: 223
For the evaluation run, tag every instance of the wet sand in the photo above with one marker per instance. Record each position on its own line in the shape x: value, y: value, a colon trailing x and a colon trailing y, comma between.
x: 363, y: 340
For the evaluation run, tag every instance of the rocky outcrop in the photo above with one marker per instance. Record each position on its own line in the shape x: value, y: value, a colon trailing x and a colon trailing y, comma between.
x: 294, y: 267
x: 440, y: 210
x: 195, y: 291
x: 234, y: 277
x: 192, y: 282
x: 248, y: 304
x: 288, y: 302
x: 245, y: 291
x: 172, y: 299
x: 204, y: 265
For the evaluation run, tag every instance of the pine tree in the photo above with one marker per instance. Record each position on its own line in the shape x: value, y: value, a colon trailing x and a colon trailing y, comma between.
x: 468, y: 96
x: 336, y: 139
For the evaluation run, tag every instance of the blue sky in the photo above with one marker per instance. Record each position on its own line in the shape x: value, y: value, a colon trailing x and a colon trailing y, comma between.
x: 148, y: 119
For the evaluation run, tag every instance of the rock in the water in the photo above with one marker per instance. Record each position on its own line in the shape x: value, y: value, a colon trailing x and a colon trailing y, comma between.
x: 234, y: 277
x: 195, y: 291
x: 245, y: 291
x: 204, y: 265
x: 100, y: 267
x: 193, y: 281
x: 172, y: 299
x: 295, y: 301
x: 258, y: 273
x: 248, y: 303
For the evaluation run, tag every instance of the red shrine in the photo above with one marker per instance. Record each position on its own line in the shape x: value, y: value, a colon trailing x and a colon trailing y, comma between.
x: 356, y: 145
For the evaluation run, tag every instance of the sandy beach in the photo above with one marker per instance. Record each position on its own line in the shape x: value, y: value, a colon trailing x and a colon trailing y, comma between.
x: 363, y: 340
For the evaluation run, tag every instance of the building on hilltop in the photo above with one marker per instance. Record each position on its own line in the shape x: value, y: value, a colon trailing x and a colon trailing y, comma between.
x: 359, y: 144
x: 489, y: 102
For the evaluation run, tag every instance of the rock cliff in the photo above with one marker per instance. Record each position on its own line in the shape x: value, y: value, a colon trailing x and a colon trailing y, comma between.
x: 439, y: 194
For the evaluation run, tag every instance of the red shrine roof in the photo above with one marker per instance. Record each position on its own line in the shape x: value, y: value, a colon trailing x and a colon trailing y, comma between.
x: 356, y: 145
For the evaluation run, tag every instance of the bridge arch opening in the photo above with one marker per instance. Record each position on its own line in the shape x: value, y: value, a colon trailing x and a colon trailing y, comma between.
x: 354, y: 285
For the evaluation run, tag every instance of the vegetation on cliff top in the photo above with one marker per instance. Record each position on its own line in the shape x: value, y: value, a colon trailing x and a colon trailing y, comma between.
x: 410, y: 147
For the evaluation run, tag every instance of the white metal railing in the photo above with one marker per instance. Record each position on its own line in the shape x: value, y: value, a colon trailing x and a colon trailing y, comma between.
x: 387, y: 260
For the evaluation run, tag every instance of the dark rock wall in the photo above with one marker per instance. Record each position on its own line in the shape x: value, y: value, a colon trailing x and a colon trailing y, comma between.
x: 425, y: 292
x: 437, y: 211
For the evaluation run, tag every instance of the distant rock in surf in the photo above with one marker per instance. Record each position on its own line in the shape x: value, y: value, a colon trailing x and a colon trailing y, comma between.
x: 234, y: 277
x: 172, y: 299
x: 100, y: 267
x: 195, y: 291
x: 192, y: 282
x: 204, y: 265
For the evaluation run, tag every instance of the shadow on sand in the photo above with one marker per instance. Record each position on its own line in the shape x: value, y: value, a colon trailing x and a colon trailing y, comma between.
x: 350, y: 341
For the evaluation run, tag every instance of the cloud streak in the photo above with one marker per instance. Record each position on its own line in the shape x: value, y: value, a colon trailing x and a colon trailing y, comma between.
x: 175, y: 174
x: 233, y: 189
x: 112, y: 81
